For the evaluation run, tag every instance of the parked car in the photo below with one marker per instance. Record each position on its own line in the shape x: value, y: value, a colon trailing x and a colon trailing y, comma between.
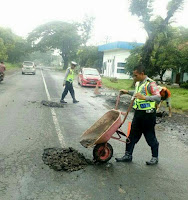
x: 89, y: 77
x: 28, y: 67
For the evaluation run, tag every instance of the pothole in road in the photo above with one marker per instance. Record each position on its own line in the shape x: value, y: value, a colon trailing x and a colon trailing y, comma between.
x: 65, y: 159
x: 52, y: 104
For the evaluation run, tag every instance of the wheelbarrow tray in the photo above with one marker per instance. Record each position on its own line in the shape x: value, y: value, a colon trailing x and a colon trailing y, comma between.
x: 102, y: 130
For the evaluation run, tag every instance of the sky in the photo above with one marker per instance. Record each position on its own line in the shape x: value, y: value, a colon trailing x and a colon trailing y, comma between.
x: 113, y: 21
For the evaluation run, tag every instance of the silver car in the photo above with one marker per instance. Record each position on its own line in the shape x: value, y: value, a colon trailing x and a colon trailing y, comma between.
x: 28, y: 67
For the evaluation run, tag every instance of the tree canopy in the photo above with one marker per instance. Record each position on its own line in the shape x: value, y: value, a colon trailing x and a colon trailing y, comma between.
x: 6, y: 42
x: 85, y: 28
x: 12, y: 47
x: 160, y: 52
x: 89, y: 56
x: 56, y: 35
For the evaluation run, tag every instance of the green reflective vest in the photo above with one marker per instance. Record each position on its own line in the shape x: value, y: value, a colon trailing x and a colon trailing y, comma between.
x: 70, y: 76
x: 143, y: 104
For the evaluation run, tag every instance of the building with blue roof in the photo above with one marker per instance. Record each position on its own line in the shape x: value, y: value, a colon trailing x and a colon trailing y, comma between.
x: 114, y: 58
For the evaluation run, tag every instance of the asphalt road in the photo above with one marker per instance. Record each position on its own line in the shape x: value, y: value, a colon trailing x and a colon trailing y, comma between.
x: 27, y: 128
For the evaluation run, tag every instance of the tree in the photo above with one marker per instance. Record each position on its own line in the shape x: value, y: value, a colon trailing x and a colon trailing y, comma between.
x: 143, y: 9
x: 6, y: 42
x: 89, y: 56
x: 12, y: 47
x: 182, y: 62
x: 86, y: 28
x: 3, y: 54
x: 20, y: 50
x: 56, y: 35
x: 133, y: 60
x: 169, y: 53
x: 44, y: 58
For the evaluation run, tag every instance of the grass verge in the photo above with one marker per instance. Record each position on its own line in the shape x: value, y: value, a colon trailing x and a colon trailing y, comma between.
x: 10, y: 66
x: 118, y: 84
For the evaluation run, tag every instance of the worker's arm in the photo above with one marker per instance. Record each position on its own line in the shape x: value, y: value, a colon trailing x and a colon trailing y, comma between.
x: 154, y: 91
x: 130, y: 92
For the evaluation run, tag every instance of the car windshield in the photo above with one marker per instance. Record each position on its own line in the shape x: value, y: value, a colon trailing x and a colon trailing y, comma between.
x: 91, y: 72
x: 28, y: 63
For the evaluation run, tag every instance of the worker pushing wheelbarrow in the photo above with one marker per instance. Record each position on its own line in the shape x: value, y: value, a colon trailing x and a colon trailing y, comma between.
x: 102, y: 131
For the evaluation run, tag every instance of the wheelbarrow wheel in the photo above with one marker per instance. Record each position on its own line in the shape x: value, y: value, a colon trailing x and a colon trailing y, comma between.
x: 102, y: 152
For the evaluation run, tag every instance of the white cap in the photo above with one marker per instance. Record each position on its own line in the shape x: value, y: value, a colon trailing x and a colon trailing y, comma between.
x: 73, y: 63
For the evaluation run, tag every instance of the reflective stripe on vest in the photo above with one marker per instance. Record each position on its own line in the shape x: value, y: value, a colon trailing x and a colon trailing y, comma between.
x: 143, y: 104
x: 70, y: 76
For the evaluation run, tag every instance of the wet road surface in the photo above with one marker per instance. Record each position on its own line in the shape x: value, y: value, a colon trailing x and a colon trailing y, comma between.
x: 27, y: 127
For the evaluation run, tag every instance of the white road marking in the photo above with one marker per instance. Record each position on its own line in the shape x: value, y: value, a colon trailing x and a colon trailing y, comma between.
x: 55, y: 120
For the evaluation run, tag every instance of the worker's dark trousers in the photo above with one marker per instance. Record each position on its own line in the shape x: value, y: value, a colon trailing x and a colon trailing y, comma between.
x: 68, y: 87
x: 143, y: 123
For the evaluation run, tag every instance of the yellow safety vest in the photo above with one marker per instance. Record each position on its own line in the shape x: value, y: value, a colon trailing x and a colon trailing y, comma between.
x: 70, y: 76
x: 143, y: 104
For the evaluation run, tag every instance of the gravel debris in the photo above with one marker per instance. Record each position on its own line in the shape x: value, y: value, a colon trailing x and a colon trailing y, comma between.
x: 65, y: 159
x: 52, y: 104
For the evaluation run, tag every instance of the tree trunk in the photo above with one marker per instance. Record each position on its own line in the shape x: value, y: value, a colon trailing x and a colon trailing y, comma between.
x: 66, y: 61
x: 161, y: 74
x: 161, y: 77
x: 147, y: 51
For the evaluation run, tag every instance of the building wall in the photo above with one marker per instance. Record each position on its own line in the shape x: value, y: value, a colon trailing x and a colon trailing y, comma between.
x: 167, y: 75
x: 110, y: 63
x: 185, y: 77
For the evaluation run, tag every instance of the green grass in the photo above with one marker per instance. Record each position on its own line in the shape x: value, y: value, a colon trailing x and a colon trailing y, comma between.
x: 120, y: 84
x: 10, y: 66
x: 179, y: 96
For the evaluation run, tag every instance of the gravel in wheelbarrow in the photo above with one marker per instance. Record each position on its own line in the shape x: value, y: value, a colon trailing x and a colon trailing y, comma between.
x: 65, y: 159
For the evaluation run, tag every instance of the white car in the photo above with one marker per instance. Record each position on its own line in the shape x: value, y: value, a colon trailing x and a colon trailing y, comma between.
x: 28, y: 67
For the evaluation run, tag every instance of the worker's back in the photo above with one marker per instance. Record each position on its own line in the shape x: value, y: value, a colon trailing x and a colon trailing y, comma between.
x: 165, y: 93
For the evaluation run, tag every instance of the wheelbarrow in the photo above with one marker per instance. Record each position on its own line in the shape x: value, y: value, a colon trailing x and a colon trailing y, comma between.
x: 98, y: 135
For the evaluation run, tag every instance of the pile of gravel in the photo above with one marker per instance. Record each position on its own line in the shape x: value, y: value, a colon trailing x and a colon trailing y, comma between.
x: 52, y: 104
x: 64, y: 159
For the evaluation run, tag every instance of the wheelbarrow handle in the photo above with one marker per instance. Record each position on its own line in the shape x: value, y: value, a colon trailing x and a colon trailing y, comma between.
x: 128, y: 110
x: 117, y: 101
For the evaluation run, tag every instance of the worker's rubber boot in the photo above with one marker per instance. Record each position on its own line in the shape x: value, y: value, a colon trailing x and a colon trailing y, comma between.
x: 126, y: 158
x: 153, y: 161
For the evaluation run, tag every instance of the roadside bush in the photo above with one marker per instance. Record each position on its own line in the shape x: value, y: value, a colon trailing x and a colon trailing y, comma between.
x: 184, y: 85
x: 114, y: 80
x: 12, y: 66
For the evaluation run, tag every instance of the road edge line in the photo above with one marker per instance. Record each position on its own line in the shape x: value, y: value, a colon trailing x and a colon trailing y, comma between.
x: 54, y: 116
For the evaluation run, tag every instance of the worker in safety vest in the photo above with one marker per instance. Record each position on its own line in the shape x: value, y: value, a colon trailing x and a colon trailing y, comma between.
x: 165, y: 96
x: 68, y: 83
x: 146, y: 94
